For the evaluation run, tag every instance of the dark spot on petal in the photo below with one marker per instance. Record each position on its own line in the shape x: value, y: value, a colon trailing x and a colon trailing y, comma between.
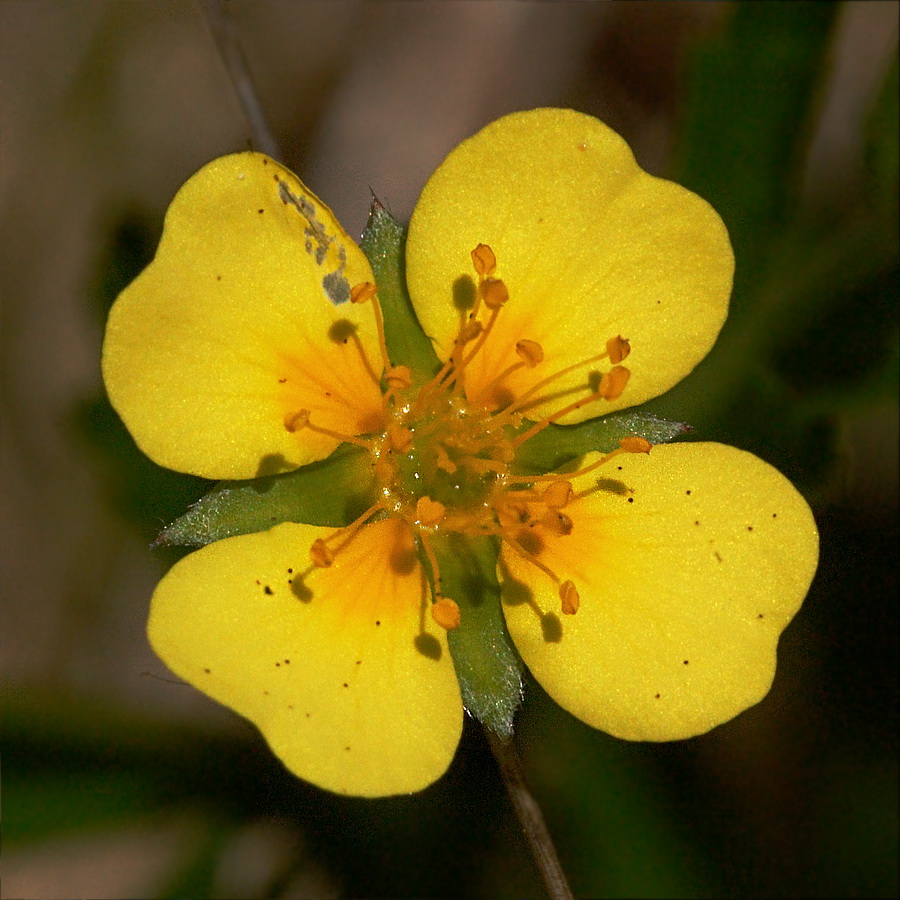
x: 346, y: 685
x: 687, y: 492
x: 260, y: 210
x: 218, y: 277
x: 341, y: 331
x: 290, y: 705
x: 717, y: 556
x: 258, y: 581
x: 464, y: 292
x: 656, y: 696
x: 265, y: 693
x: 377, y: 621
x: 760, y: 616
x: 551, y: 628
x: 346, y: 748
x: 749, y: 528
x: 265, y: 162
x: 631, y: 499
x: 207, y: 671
x: 403, y: 560
x: 685, y: 662
x: 359, y: 662
x: 428, y: 645
x: 268, y: 590
x: 307, y: 715
x: 278, y: 665
x: 282, y: 380
x: 774, y: 515
x: 696, y: 521
x: 287, y: 662
x: 290, y: 571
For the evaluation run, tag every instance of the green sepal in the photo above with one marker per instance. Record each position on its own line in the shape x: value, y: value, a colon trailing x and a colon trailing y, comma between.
x: 558, y: 444
x: 384, y: 243
x: 487, y: 665
x: 331, y: 492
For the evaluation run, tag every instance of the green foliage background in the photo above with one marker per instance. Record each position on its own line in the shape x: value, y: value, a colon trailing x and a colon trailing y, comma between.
x: 797, y: 797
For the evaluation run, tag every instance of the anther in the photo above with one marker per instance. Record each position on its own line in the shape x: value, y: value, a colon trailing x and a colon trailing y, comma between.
x: 635, y: 445
x: 557, y: 494
x: 484, y: 260
x: 445, y: 612
x: 300, y: 420
x: 429, y: 512
x: 296, y: 421
x: 398, y: 377
x: 613, y: 382
x: 617, y: 348
x: 400, y: 438
x: 568, y: 594
x: 362, y: 292
x: 321, y: 554
x: 531, y: 352
x: 494, y: 293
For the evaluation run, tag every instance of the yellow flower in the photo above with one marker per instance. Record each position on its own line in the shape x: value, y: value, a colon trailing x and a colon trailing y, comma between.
x: 646, y: 589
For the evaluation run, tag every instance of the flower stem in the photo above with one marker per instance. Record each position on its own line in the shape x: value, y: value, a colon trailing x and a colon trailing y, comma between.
x: 530, y: 817
x: 226, y: 40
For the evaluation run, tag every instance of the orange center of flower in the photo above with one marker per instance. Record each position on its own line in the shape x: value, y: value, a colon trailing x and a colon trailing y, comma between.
x: 445, y: 459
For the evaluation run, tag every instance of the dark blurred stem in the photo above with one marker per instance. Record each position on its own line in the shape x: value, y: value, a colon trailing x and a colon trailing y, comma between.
x: 530, y: 818
x: 226, y: 40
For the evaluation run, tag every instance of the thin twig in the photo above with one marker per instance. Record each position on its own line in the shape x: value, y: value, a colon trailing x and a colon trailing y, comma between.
x: 226, y: 40
x: 530, y: 818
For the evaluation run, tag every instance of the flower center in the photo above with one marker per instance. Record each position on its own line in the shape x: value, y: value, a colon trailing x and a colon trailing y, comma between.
x: 444, y: 458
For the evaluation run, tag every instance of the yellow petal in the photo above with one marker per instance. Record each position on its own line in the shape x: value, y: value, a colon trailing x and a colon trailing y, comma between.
x: 589, y: 245
x: 690, y: 562
x: 342, y: 670
x: 239, y: 323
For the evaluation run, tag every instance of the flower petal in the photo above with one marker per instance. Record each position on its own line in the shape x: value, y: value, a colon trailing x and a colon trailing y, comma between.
x: 341, y: 668
x: 690, y: 562
x: 590, y: 246
x: 239, y: 323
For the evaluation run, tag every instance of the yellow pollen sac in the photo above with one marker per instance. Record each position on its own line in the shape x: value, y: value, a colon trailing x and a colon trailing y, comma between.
x: 557, y: 494
x: 568, y: 594
x: 617, y: 348
x: 494, y: 293
x: 531, y: 352
x: 613, y: 382
x: 484, y: 260
x: 635, y: 445
x: 429, y: 512
x: 362, y: 292
x: 398, y: 377
x: 446, y: 613
x: 296, y: 421
x: 322, y: 556
x: 400, y: 438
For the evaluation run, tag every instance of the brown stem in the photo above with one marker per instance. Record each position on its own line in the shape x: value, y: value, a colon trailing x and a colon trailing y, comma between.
x: 223, y: 33
x: 530, y: 818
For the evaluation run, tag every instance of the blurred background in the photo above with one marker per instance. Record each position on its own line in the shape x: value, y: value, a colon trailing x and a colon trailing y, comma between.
x: 122, y: 782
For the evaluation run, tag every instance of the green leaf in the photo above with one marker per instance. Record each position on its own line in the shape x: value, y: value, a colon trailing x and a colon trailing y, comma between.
x: 558, y: 444
x: 384, y: 243
x: 487, y: 664
x: 331, y: 492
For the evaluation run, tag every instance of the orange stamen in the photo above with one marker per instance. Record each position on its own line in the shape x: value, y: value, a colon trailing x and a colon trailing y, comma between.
x: 617, y: 348
x: 322, y: 555
x: 568, y: 594
x: 446, y: 613
x: 362, y: 293
x: 300, y: 420
x: 613, y: 382
x: 484, y: 260
x: 429, y: 512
